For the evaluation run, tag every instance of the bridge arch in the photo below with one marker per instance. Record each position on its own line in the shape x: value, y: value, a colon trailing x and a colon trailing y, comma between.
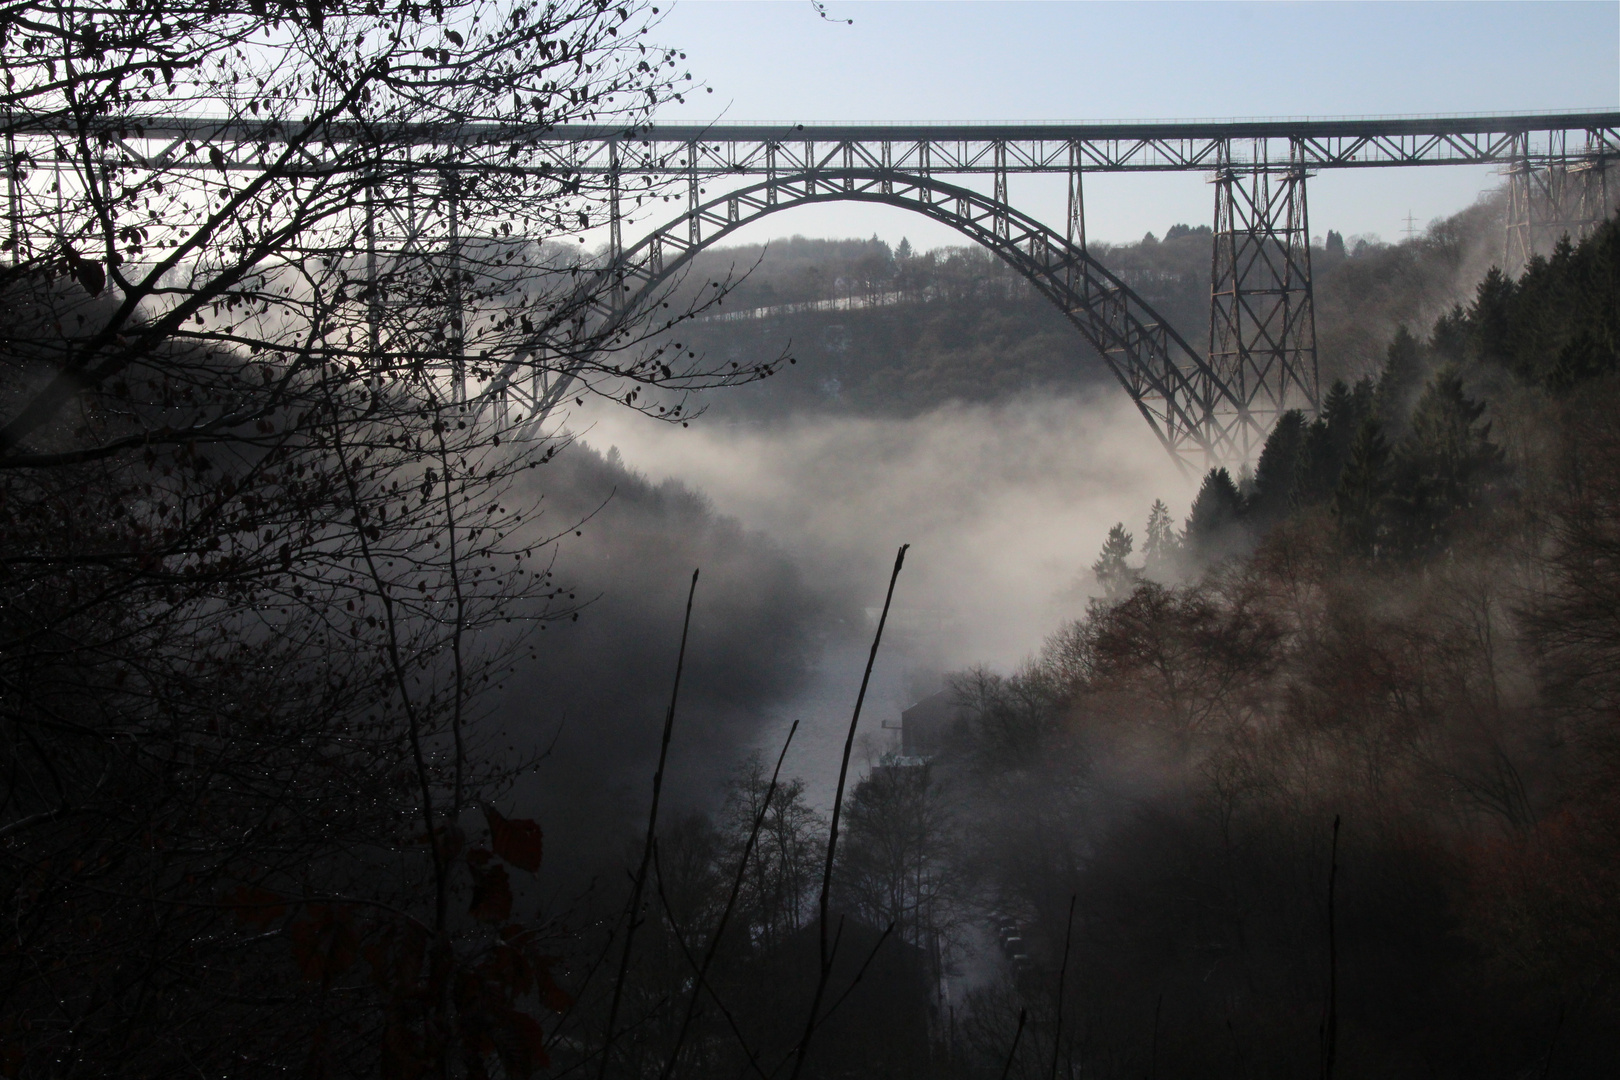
x: 1190, y: 408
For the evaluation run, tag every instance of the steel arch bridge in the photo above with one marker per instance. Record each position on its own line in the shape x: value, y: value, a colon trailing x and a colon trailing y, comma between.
x: 1211, y: 404
x: 1195, y: 414
x: 1204, y: 406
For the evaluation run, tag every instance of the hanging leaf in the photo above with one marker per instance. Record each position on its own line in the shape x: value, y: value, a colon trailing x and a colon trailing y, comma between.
x: 517, y: 840
x: 492, y: 894
x: 87, y: 272
x: 91, y: 276
x: 455, y: 37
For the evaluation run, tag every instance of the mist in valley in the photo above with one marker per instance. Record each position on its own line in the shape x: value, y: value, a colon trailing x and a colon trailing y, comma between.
x: 1004, y: 506
x: 794, y: 525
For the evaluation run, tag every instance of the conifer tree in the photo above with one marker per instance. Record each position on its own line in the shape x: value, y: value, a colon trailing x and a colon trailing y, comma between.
x: 1113, y: 573
x: 1359, y: 501
x: 1327, y: 441
x: 1214, y: 528
x: 1400, y: 382
x: 1489, y: 318
x: 1160, y: 546
x: 1276, y: 473
x: 1446, y: 465
x: 1449, y: 339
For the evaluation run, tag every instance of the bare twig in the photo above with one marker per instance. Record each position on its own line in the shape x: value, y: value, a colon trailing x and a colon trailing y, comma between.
x: 1153, y: 1047
x: 652, y: 829
x: 1063, y: 971
x: 1330, y: 1009
x: 1023, y: 1015
x: 860, y: 973
x: 702, y: 984
x: 832, y: 832
x: 725, y: 913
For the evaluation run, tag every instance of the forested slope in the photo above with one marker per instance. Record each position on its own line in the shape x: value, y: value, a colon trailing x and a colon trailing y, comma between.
x: 1339, y: 784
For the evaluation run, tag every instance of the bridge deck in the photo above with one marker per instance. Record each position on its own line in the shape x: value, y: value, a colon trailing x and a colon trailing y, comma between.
x: 1112, y: 146
x: 1102, y: 147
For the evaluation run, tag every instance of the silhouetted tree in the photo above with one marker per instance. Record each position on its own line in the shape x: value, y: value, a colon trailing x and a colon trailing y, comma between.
x: 1400, y: 382
x: 893, y: 863
x: 1446, y: 465
x: 1160, y: 546
x: 1277, y: 472
x: 259, y: 552
x: 1111, y: 569
x: 1359, y: 501
x: 1327, y: 441
x: 1214, y: 529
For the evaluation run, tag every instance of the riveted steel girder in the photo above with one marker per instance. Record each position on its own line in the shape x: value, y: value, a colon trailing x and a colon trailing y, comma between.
x: 1558, y: 193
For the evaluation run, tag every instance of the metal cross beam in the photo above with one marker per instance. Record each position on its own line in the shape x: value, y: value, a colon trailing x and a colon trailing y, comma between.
x: 1261, y: 355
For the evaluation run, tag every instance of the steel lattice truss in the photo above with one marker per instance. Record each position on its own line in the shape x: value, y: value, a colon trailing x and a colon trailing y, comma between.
x: 756, y: 149
x: 1210, y: 405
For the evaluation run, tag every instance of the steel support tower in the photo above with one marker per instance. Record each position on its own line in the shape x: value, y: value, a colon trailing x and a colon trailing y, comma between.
x: 1262, y: 324
x: 1561, y: 192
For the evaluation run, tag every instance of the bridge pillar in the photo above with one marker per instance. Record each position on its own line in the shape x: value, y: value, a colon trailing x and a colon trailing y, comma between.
x: 1075, y: 231
x: 1001, y: 189
x: 615, y: 232
x: 1262, y: 321
x: 1568, y: 195
x: 694, y: 227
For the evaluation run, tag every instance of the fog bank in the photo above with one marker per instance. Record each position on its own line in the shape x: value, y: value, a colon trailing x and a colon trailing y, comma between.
x: 1004, y: 505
